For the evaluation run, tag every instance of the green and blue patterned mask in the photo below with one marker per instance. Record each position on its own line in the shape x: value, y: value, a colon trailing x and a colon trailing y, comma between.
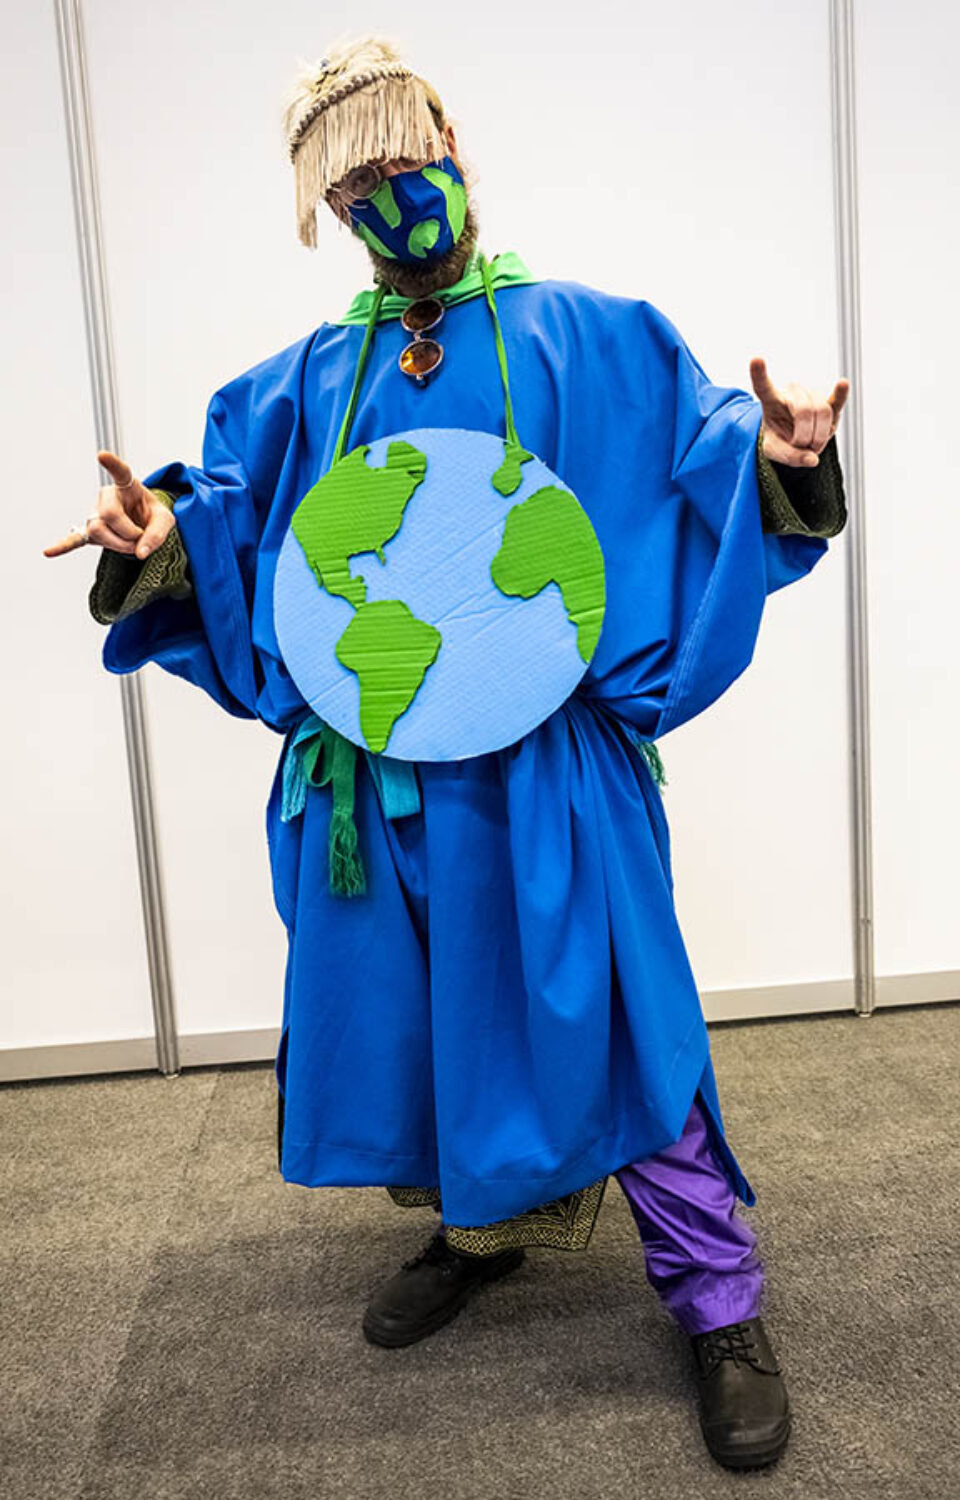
x: 415, y: 216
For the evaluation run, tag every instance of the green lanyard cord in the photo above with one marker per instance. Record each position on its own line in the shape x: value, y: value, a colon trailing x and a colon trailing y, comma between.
x: 378, y: 297
x: 512, y: 439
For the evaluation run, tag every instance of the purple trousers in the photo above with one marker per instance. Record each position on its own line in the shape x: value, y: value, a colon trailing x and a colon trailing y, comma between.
x: 701, y: 1257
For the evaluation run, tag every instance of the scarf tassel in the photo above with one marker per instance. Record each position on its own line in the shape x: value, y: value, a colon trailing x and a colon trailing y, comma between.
x: 347, y: 875
x: 318, y: 755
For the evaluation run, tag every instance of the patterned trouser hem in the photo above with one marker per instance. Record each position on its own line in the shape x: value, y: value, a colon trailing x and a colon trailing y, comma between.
x: 564, y: 1224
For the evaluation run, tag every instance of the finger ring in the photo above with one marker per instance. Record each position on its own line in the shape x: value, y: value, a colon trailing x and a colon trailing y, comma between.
x: 81, y: 530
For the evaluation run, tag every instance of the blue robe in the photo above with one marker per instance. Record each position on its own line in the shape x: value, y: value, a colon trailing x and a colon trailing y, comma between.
x: 509, y: 1012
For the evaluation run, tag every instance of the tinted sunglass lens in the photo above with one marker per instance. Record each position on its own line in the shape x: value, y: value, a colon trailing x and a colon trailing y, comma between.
x: 421, y: 315
x: 421, y: 357
x: 362, y: 181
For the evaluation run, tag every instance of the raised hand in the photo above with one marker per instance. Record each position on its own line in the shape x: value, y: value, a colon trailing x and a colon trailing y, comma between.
x: 129, y: 518
x: 797, y: 423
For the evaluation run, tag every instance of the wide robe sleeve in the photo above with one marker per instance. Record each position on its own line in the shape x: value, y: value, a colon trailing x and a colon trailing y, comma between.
x: 805, y: 502
x: 690, y: 558
x: 124, y: 583
x: 198, y: 625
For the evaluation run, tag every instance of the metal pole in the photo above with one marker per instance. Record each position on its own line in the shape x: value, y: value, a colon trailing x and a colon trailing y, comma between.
x: 846, y: 221
x: 86, y: 208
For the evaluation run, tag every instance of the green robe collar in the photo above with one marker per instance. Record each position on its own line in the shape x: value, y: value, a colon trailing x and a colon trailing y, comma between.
x: 508, y: 270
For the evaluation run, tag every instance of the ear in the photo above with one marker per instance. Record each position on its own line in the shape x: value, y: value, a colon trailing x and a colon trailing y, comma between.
x: 450, y: 136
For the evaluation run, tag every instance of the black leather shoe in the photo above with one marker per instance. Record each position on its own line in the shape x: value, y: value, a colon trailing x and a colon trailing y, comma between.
x: 429, y: 1291
x: 744, y: 1408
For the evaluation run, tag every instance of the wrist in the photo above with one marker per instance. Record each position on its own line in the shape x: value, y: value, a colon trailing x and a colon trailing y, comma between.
x: 164, y: 498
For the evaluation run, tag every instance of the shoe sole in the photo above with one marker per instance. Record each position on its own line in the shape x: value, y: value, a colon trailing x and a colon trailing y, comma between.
x: 394, y: 1339
x: 756, y: 1457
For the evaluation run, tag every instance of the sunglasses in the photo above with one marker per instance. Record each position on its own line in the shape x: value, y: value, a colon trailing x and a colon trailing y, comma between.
x: 360, y: 185
x: 421, y: 356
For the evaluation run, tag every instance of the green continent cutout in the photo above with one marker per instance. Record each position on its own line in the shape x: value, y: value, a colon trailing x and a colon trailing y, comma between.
x: 391, y: 652
x: 386, y: 204
x: 423, y: 236
x: 355, y: 509
x: 509, y: 476
x: 548, y: 539
x: 456, y: 197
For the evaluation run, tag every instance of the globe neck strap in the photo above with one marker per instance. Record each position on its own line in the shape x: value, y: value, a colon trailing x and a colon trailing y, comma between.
x: 512, y: 440
x: 347, y: 423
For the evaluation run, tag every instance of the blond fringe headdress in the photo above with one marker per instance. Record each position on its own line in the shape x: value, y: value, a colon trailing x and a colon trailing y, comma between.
x: 359, y: 103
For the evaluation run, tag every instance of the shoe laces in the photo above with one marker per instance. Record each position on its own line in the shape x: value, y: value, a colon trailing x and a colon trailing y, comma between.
x: 735, y: 1341
x: 436, y: 1253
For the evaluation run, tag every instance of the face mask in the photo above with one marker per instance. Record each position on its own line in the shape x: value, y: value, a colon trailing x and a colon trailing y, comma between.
x: 415, y: 216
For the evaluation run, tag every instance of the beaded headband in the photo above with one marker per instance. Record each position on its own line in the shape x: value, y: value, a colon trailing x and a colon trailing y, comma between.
x: 360, y: 103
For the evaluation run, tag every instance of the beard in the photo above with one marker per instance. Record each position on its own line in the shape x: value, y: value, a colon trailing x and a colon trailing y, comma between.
x: 422, y: 279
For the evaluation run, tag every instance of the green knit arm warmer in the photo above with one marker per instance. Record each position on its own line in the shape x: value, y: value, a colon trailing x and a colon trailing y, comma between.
x: 802, y: 502
x: 125, y: 583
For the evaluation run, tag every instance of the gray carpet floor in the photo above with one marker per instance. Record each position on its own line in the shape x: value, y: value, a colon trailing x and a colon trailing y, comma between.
x: 178, y: 1322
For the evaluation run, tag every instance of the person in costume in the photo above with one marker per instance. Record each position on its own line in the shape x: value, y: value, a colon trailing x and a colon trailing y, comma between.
x: 472, y: 549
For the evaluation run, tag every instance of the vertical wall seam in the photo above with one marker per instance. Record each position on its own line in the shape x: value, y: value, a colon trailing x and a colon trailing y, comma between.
x: 96, y: 307
x: 850, y: 439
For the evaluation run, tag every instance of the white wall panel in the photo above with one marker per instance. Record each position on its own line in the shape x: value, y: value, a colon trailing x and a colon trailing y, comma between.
x: 910, y: 228
x: 73, y: 953
x: 680, y: 156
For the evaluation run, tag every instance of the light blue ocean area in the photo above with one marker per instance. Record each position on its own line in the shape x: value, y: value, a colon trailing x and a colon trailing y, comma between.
x: 504, y: 665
